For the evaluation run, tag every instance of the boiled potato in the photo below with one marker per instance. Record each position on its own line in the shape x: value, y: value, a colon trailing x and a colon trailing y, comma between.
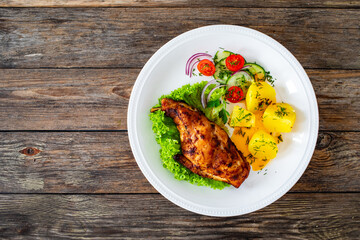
x: 263, y: 146
x: 258, y: 164
x: 240, y: 117
x: 279, y: 117
x: 259, y: 96
x: 241, y: 138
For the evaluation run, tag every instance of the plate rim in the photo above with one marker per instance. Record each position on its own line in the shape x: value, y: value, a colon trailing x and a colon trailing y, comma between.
x: 171, y: 195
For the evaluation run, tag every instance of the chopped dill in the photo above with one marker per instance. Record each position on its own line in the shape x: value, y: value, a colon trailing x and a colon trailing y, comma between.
x: 281, y: 112
x: 193, y: 72
x: 269, y: 78
x: 240, y: 132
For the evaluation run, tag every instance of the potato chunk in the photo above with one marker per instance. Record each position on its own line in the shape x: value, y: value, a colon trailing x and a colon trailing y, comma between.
x: 279, y: 117
x: 240, y: 117
x: 259, y: 96
x: 263, y: 146
x: 241, y: 138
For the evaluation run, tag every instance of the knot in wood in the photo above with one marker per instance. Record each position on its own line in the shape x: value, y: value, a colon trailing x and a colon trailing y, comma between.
x: 323, y: 141
x: 122, y: 92
x: 30, y: 151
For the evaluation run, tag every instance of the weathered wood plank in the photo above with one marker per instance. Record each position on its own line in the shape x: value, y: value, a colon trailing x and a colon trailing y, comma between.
x: 65, y: 99
x: 102, y: 162
x: 337, y: 94
x: 177, y: 3
x: 91, y: 162
x: 294, y: 216
x: 78, y: 99
x: 118, y: 37
x: 334, y: 160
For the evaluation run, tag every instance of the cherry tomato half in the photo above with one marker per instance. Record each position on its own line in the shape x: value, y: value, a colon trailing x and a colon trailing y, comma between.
x: 206, y: 67
x: 234, y: 94
x: 234, y: 62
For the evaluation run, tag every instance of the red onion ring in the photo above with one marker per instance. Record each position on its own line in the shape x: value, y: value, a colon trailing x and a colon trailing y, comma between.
x: 203, y: 103
x: 212, y: 90
x: 246, y: 73
x: 193, y: 60
x: 191, y: 69
x: 196, y: 61
x: 243, y: 68
x: 196, y: 56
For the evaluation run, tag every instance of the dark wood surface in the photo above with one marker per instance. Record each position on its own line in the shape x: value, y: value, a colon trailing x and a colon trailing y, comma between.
x: 66, y: 73
x: 119, y: 38
x: 150, y: 216
x: 183, y: 3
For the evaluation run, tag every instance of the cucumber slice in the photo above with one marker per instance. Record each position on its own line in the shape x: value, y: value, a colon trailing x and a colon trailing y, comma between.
x: 256, y: 70
x: 221, y: 72
x: 240, y: 79
x: 217, y: 71
x: 221, y: 55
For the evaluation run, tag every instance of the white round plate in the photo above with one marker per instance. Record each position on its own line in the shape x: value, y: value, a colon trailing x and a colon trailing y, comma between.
x: 165, y: 71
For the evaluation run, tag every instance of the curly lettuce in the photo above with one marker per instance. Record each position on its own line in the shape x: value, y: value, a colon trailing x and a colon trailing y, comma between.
x: 168, y: 136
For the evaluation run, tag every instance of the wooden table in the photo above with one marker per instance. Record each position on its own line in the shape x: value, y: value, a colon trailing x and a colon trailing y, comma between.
x: 67, y: 170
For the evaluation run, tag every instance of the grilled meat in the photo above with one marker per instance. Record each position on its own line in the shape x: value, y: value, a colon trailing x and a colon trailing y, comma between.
x: 206, y: 148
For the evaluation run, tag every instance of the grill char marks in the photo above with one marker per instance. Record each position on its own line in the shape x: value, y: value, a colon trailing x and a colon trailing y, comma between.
x: 206, y: 148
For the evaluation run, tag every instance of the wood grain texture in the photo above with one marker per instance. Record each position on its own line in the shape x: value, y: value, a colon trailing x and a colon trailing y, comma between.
x: 334, y: 161
x: 97, y: 99
x: 294, y: 216
x: 178, y: 3
x: 121, y: 38
x: 337, y: 93
x: 66, y: 68
x: 65, y: 99
x: 102, y: 162
x: 91, y: 162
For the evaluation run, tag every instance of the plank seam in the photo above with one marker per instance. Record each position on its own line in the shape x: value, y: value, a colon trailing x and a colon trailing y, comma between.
x: 94, y: 194
x: 153, y: 193
x: 187, y: 6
